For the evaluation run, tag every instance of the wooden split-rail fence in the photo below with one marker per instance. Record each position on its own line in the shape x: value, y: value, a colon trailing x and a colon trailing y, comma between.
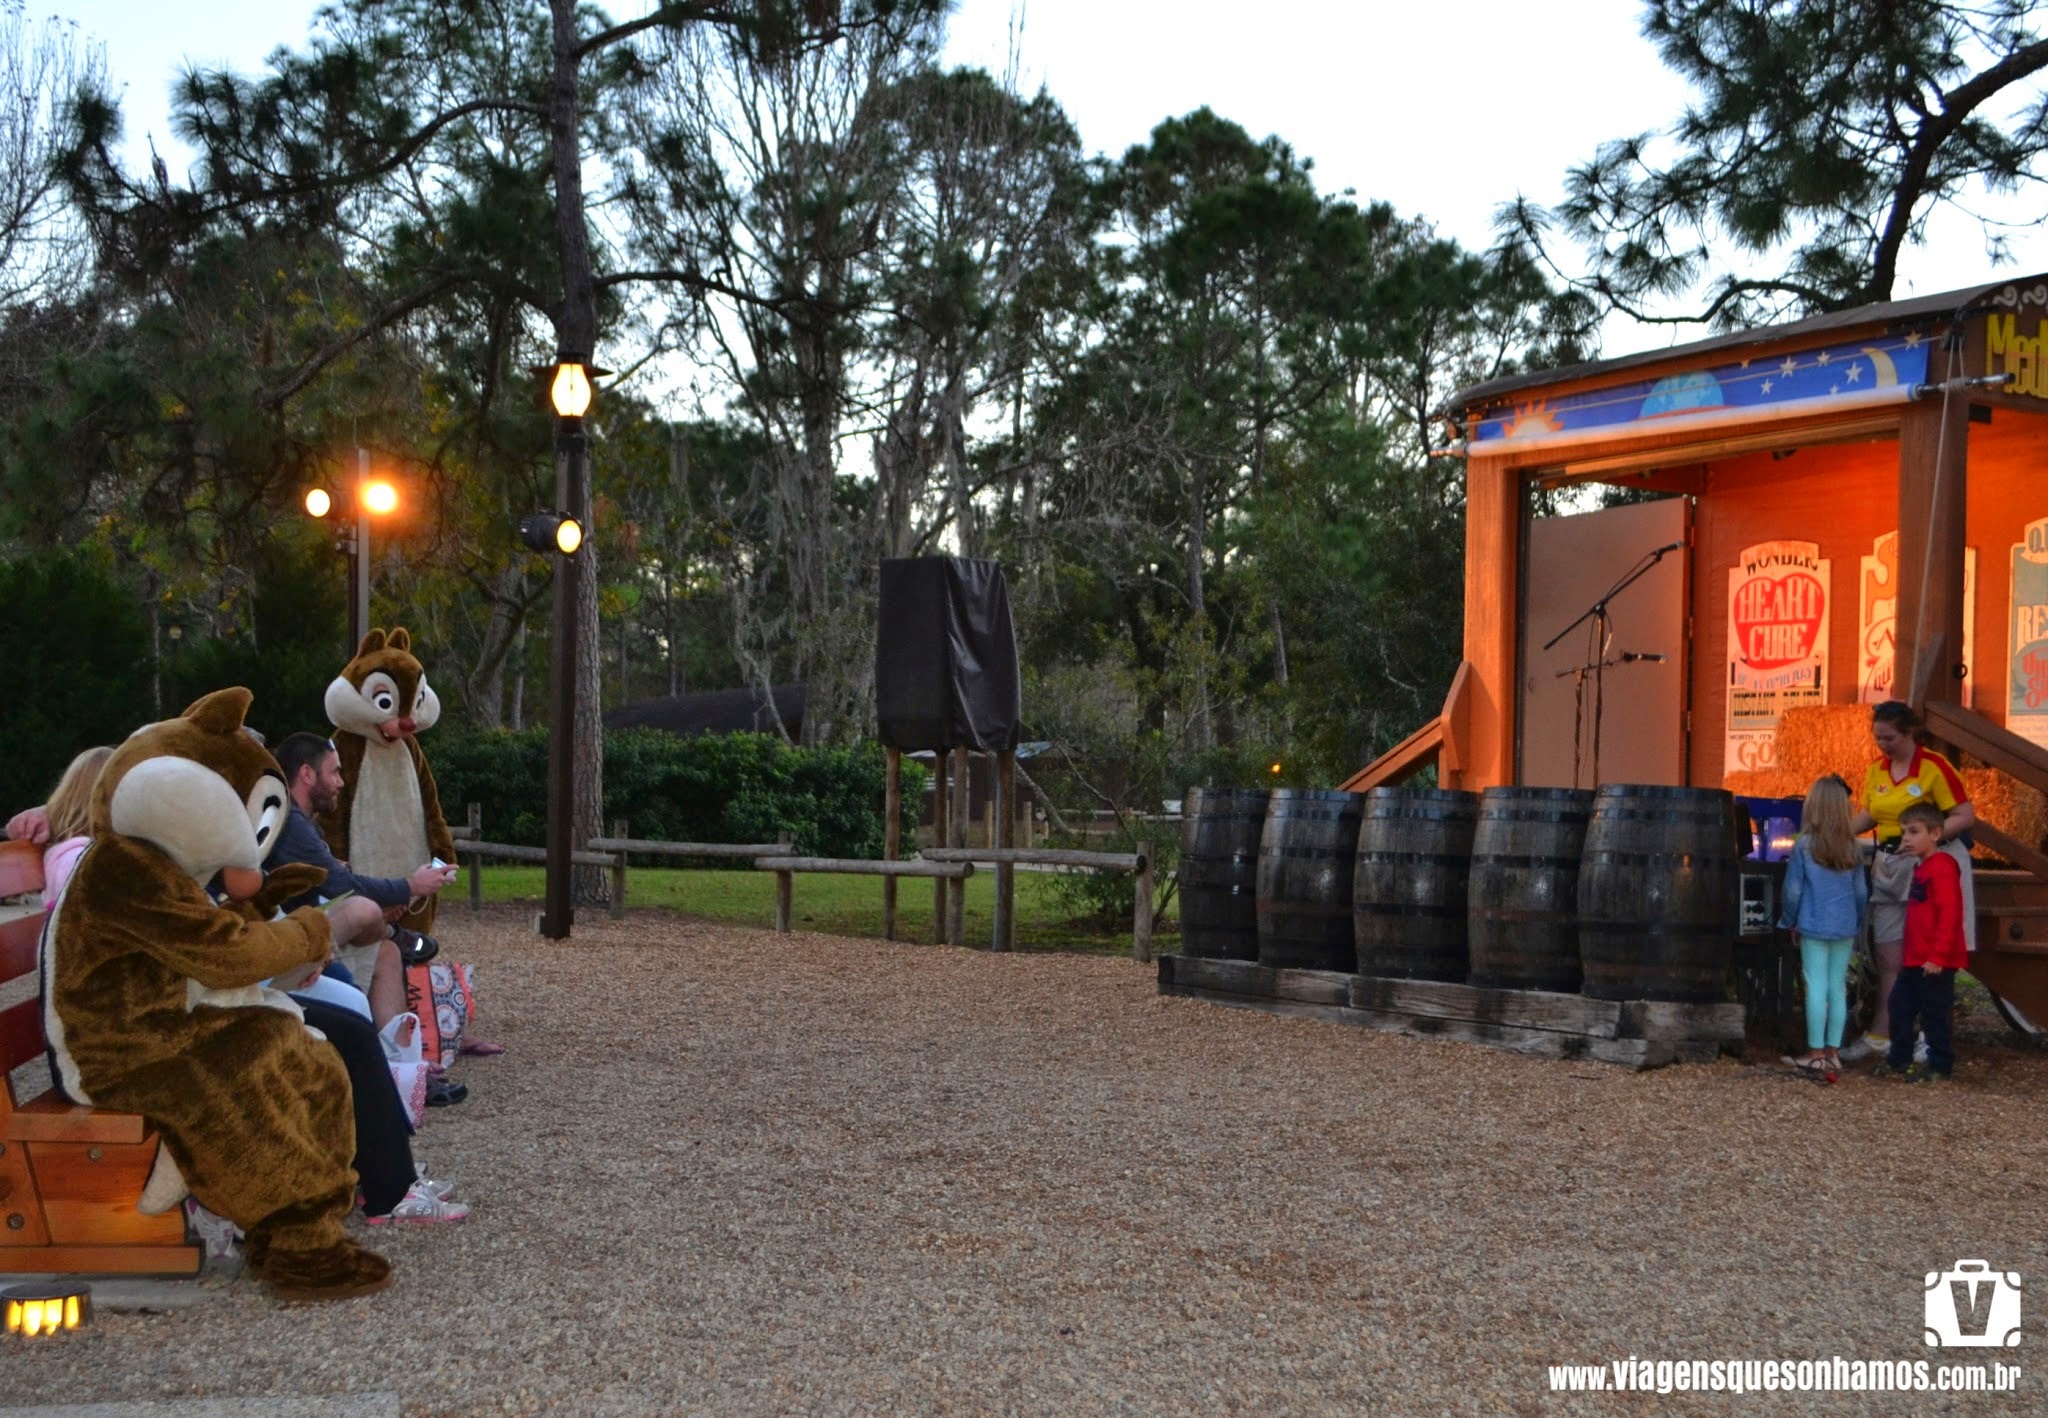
x: 945, y: 866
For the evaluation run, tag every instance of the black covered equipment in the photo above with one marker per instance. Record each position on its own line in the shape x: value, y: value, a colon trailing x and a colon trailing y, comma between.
x: 946, y: 656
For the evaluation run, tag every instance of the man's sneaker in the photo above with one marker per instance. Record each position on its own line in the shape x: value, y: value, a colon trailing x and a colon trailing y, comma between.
x: 442, y: 1093
x: 422, y: 1208
x: 1920, y: 1049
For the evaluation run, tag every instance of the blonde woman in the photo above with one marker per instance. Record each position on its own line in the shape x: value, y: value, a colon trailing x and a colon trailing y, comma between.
x: 64, y: 821
x: 1823, y: 906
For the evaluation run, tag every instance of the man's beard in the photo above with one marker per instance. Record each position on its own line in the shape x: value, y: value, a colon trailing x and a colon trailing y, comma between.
x: 326, y: 802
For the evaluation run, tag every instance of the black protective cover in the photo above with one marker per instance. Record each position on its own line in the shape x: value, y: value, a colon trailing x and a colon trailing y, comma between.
x: 946, y: 656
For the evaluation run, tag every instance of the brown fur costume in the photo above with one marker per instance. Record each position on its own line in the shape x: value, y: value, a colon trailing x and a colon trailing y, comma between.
x: 152, y: 1004
x: 389, y: 822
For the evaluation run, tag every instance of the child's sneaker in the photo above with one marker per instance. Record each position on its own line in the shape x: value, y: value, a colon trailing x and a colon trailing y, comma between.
x: 440, y: 1188
x: 422, y: 1208
x: 218, y: 1234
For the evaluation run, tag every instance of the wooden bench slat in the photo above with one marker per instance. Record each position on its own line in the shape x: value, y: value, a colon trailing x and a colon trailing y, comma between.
x: 19, y: 938
x: 513, y: 852
x: 49, y: 1118
x: 21, y: 1035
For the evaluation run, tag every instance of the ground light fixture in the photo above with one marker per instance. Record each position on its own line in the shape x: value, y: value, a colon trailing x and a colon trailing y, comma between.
x: 551, y: 531
x: 36, y: 1310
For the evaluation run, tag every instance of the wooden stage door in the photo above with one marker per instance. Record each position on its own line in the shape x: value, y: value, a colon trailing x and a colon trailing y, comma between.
x: 1571, y: 561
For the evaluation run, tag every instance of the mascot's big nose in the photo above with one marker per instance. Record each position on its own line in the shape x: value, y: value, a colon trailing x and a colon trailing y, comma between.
x: 241, y: 883
x: 393, y: 729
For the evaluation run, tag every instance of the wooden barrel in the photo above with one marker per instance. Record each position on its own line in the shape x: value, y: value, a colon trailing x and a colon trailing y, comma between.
x: 1219, y: 871
x: 1524, y: 920
x: 1306, y: 858
x: 1408, y: 894
x: 1657, y: 894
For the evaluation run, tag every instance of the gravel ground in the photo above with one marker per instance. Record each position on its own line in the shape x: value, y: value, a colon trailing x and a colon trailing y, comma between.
x: 722, y: 1171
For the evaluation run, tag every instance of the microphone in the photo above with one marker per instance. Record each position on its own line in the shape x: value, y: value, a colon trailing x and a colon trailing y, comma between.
x: 1628, y: 655
x: 1660, y: 551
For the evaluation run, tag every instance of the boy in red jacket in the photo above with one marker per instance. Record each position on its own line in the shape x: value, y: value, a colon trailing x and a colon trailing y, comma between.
x: 1934, y: 952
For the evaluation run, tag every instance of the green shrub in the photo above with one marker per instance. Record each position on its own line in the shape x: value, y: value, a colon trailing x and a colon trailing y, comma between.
x: 713, y: 788
x: 1103, y: 898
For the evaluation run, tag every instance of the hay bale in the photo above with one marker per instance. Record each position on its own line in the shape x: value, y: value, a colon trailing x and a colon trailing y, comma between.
x: 1766, y: 783
x: 1823, y: 739
x: 2011, y: 806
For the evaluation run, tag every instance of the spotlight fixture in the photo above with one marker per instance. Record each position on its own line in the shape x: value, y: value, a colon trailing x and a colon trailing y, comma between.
x: 551, y: 531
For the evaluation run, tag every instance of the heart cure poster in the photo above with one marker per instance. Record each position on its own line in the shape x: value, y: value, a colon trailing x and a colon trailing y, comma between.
x: 1777, y: 644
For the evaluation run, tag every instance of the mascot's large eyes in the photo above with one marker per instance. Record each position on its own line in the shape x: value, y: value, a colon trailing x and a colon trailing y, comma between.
x: 267, y: 803
x: 381, y: 694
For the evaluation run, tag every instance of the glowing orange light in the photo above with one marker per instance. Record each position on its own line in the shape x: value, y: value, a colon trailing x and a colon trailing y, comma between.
x: 1274, y: 770
x: 380, y: 497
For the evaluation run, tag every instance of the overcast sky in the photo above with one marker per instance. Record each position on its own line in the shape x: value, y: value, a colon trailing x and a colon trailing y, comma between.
x: 1445, y: 111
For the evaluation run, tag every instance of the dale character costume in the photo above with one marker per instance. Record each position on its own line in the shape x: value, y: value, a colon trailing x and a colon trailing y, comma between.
x: 153, y: 1001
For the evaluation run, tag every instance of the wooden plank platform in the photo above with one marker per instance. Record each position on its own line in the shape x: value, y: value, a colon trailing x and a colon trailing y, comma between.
x: 1633, y: 1033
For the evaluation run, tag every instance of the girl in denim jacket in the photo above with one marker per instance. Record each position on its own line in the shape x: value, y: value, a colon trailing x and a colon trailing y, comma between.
x: 1823, y: 905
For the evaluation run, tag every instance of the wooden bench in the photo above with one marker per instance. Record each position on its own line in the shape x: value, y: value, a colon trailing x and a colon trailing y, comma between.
x: 69, y: 1176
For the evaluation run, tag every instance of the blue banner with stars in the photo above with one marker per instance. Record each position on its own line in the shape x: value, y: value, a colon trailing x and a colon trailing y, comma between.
x: 1742, y: 384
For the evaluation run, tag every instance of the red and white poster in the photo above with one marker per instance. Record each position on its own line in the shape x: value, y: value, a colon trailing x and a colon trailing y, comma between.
x: 1877, y: 616
x: 1778, y: 602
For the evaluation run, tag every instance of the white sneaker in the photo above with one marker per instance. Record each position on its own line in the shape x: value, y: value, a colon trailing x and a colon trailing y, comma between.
x: 422, y: 1208
x: 441, y: 1188
x: 1920, y: 1050
x: 1858, y: 1051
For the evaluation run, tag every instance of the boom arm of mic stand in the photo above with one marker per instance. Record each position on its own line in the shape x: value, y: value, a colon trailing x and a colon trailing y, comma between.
x: 1635, y: 573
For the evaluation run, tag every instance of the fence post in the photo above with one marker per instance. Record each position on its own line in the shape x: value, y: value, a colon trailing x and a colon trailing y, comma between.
x: 1005, y: 813
x: 476, y: 861
x: 619, y: 872
x: 892, y: 834
x: 956, y: 893
x: 784, y: 881
x: 1141, y: 908
x: 942, y: 821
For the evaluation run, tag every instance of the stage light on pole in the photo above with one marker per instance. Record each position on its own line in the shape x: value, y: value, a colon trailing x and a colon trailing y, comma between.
x: 380, y: 497
x: 319, y: 502
x: 551, y: 531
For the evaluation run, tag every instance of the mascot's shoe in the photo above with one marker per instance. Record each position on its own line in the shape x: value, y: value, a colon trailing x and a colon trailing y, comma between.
x: 414, y: 948
x: 337, y: 1272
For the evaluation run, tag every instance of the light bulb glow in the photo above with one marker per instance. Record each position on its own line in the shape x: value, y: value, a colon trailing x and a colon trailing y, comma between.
x: 568, y: 536
x: 380, y: 497
x: 570, y: 393
x: 318, y: 502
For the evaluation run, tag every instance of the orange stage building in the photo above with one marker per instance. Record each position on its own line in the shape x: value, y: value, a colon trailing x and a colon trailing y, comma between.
x: 1855, y: 508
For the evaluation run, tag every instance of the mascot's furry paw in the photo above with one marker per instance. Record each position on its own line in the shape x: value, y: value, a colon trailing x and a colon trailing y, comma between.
x: 337, y: 1272
x: 165, y: 1187
x: 285, y: 882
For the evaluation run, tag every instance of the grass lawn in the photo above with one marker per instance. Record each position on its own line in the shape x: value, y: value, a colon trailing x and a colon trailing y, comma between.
x: 839, y: 905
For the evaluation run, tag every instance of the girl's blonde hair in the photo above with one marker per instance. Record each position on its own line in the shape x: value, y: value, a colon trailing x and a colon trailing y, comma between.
x: 70, y: 806
x: 1826, y: 824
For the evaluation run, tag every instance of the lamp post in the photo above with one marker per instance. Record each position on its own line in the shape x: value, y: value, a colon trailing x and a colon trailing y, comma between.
x: 569, y: 393
x: 374, y: 497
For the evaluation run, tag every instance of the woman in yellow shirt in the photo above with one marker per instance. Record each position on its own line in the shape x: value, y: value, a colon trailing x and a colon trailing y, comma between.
x: 1905, y: 773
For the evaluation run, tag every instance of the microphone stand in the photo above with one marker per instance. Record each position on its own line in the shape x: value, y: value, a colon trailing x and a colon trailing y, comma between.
x: 1597, y: 658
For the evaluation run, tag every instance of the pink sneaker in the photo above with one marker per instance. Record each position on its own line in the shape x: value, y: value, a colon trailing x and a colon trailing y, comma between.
x: 421, y: 1207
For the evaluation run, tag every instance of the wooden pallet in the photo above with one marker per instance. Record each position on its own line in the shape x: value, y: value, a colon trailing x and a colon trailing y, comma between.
x: 1634, y: 1033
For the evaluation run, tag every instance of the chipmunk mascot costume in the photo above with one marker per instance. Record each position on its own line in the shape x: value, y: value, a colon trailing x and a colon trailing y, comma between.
x: 389, y: 821
x: 153, y: 1004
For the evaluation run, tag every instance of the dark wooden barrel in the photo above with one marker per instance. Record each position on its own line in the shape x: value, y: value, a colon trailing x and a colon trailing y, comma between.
x: 1408, y: 894
x: 1306, y: 858
x: 1219, y: 871
x: 1524, y: 920
x: 1657, y: 893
